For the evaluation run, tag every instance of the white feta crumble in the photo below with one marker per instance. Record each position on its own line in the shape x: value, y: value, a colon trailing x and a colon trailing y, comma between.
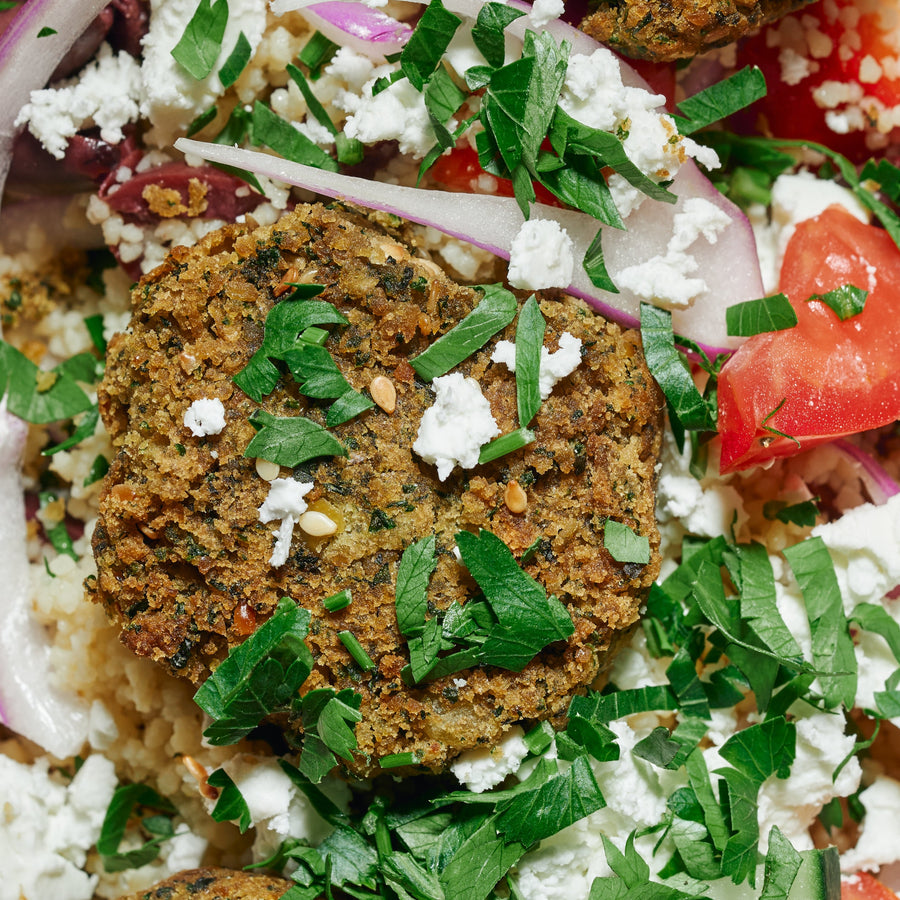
x: 792, y: 803
x: 664, y: 280
x: 877, y: 845
x: 278, y: 809
x: 544, y: 11
x: 554, y: 366
x: 484, y: 768
x: 285, y: 502
x: 595, y: 95
x: 205, y: 416
x: 106, y: 93
x: 541, y: 256
x: 47, y: 827
x: 456, y: 426
x: 396, y: 113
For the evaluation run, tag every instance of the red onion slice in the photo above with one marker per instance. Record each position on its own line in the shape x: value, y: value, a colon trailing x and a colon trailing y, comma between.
x: 27, y: 61
x: 492, y: 222
x: 878, y: 483
x: 29, y: 703
x: 351, y: 24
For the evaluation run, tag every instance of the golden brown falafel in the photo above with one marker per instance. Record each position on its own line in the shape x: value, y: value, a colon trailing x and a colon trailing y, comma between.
x: 215, y: 884
x: 183, y: 560
x: 677, y: 29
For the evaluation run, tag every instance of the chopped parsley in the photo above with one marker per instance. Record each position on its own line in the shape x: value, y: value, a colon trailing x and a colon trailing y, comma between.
x: 236, y: 62
x: 760, y: 316
x: 845, y: 301
x: 126, y: 800
x: 624, y: 545
x: 290, y: 441
x: 198, y: 48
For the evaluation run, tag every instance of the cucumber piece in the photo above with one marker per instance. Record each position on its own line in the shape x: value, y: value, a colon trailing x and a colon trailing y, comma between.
x: 819, y: 876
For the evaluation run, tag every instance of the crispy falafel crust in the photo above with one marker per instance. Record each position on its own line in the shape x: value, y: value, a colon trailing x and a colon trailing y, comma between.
x: 215, y: 884
x: 182, y: 557
x: 678, y: 29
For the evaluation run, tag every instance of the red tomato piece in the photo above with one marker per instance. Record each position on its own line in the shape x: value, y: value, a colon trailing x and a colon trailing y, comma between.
x: 459, y: 171
x: 824, y: 377
x: 852, y: 82
x: 865, y: 887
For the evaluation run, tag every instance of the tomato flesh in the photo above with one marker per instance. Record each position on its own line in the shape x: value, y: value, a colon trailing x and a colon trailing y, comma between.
x: 842, y: 42
x: 865, y: 887
x: 822, y: 378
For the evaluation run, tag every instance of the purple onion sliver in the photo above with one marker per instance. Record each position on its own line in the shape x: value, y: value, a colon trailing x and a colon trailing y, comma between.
x: 877, y: 476
x: 362, y: 21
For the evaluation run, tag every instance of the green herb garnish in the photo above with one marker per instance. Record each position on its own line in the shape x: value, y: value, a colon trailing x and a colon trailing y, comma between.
x: 338, y: 601
x: 356, y: 650
x: 270, y: 129
x: 624, y: 545
x: 199, y: 46
x: 46, y: 31
x: 529, y: 343
x: 722, y: 99
x: 316, y: 53
x: 231, y: 805
x: 126, y: 799
x: 494, y: 312
x: 290, y: 441
x: 506, y: 443
x: 236, y: 62
x: 751, y: 317
x: 845, y: 301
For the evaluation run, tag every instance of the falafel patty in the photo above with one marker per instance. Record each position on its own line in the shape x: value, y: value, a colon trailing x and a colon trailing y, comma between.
x: 680, y: 28
x: 215, y: 884
x: 183, y: 559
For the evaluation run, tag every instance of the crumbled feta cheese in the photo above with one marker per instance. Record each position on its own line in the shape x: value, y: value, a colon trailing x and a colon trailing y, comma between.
x: 544, y: 11
x: 484, y: 768
x: 877, y: 844
x: 554, y: 366
x: 792, y: 803
x: 205, y: 416
x: 284, y: 501
x: 171, y: 97
x: 664, y: 280
x: 396, y: 113
x: 47, y: 827
x: 595, y: 95
x: 454, y: 429
x: 541, y: 256
x: 106, y: 93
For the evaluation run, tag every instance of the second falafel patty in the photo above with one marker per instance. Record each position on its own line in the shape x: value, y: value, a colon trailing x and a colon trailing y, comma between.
x: 183, y: 559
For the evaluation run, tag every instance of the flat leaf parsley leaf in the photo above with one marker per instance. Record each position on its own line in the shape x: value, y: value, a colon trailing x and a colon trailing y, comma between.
x: 258, y: 677
x: 199, y: 46
x: 290, y: 441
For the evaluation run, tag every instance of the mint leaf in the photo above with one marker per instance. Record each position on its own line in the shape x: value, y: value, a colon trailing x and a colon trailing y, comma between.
x: 198, y: 48
x: 258, y: 677
x: 722, y: 99
x: 832, y: 646
x: 236, y: 62
x: 845, y: 301
x: 761, y: 316
x: 529, y: 344
x: 623, y: 545
x: 231, y: 805
x: 290, y: 441
x: 494, y: 312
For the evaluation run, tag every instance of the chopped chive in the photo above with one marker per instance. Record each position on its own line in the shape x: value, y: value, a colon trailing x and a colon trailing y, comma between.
x: 355, y: 649
x: 314, y: 335
x: 340, y: 600
x: 202, y: 120
x: 506, y: 443
x: 395, y: 760
x: 317, y: 53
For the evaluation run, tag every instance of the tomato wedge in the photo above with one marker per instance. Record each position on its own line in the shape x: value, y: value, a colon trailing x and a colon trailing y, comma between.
x: 864, y: 886
x: 824, y: 377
